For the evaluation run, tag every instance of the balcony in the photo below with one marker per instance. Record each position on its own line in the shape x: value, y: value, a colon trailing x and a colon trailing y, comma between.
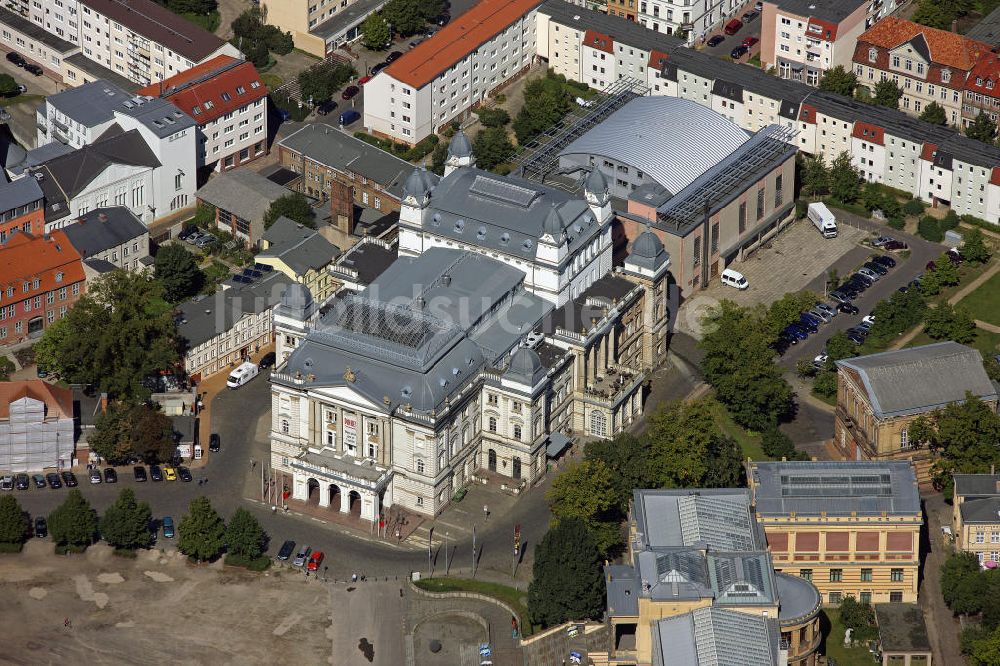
x: 611, y: 388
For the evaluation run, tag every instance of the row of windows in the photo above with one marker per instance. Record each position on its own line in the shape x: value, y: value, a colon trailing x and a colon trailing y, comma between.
x: 837, y: 575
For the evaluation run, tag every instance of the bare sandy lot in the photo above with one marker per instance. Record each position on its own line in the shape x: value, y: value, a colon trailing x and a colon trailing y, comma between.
x: 155, y: 609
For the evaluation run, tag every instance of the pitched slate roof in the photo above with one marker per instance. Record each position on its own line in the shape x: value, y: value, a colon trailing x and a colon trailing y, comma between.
x: 919, y: 379
x: 198, y: 91
x: 302, y: 249
x: 969, y: 485
x: 242, y: 192
x: 17, y: 193
x: 203, y: 318
x: 103, y: 228
x: 982, y: 510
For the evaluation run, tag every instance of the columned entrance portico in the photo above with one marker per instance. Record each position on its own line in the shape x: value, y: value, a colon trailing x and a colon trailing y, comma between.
x: 345, y: 485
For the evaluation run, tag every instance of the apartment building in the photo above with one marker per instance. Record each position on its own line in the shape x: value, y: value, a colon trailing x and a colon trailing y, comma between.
x: 36, y: 44
x: 802, y: 39
x: 879, y: 396
x: 691, y: 21
x: 228, y: 101
x: 36, y: 426
x: 975, y: 516
x: 42, y: 279
x: 444, y: 77
x: 22, y: 207
x: 937, y: 164
x: 852, y: 528
x: 321, y: 26
x: 302, y: 254
x: 110, y: 238
x: 137, y: 39
x: 928, y: 65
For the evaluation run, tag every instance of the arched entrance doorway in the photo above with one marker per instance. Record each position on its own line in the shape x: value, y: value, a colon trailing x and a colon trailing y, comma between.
x: 354, y: 497
x: 492, y: 460
x: 312, y: 495
x: 516, y: 468
x: 335, y: 496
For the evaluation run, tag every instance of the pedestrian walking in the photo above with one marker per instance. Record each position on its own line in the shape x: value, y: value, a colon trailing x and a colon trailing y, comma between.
x: 486, y: 512
x: 354, y: 578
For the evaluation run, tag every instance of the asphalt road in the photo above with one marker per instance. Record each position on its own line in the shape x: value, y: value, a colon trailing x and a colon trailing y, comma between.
x: 729, y: 42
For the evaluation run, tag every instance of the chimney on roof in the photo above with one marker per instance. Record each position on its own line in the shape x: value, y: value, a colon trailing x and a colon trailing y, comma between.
x: 103, y: 217
x: 104, y: 402
x: 954, y: 25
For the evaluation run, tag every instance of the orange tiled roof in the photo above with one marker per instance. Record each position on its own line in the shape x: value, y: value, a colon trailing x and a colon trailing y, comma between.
x: 985, y: 76
x: 25, y: 257
x: 868, y: 132
x: 599, y: 41
x: 657, y: 59
x: 192, y: 88
x: 463, y: 35
x: 946, y: 48
x: 58, y: 401
x: 827, y: 30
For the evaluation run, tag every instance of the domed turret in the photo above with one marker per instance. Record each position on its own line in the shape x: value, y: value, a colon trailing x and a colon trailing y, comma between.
x: 553, y: 225
x: 648, y: 256
x: 419, y: 185
x: 595, y: 182
x: 297, y: 301
x: 525, y: 367
x: 595, y: 190
x: 647, y: 245
x: 459, y: 153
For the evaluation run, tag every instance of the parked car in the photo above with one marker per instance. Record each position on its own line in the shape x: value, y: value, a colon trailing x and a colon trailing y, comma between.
x: 954, y: 256
x: 169, y: 473
x: 267, y: 361
x: 840, y: 296
x: 349, y: 116
x: 848, y: 308
x: 69, y: 479
x: 869, y: 320
x: 155, y: 473
x: 822, y: 315
x: 168, y: 527
x: 214, y: 443
x: 796, y: 332
x: 733, y: 27
x: 807, y: 324
x: 302, y: 556
x: 820, y: 360
x: 41, y: 527
x: 788, y: 338
x: 286, y: 550
x: 53, y: 480
x: 21, y: 481
x: 285, y: 116
x: 139, y: 472
x: 855, y: 337
x: 750, y: 15
x: 863, y: 279
x: 16, y: 58
x: 34, y: 69
x: 38, y: 480
x: 350, y: 92
x: 376, y: 69
x: 885, y: 260
x: 828, y: 308
x: 95, y: 476
x: 110, y: 475
x: 6, y: 482
x: 882, y: 240
x: 326, y: 107
x: 895, y: 246
x: 869, y: 273
x: 415, y: 42
x: 184, y: 474
x: 758, y: 6
x: 315, y: 561
x: 716, y: 40
x: 394, y: 56
x: 443, y: 19
x: 749, y: 42
x: 875, y: 267
x: 364, y: 79
x: 739, y: 52
x: 859, y: 330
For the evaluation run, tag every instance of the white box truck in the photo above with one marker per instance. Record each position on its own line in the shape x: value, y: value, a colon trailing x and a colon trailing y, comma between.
x: 822, y: 219
x: 242, y: 374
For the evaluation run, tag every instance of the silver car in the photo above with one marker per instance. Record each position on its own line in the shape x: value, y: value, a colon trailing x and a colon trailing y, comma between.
x: 302, y: 557
x: 820, y: 314
x: 827, y: 308
x: 868, y: 273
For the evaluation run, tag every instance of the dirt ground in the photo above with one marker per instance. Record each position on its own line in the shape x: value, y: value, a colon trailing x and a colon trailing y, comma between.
x: 155, y: 609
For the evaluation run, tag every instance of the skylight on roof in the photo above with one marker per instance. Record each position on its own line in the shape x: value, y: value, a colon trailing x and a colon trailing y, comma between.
x: 226, y: 97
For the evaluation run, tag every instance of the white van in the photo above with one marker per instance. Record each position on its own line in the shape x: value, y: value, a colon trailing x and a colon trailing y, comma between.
x: 821, y: 217
x: 241, y: 375
x: 734, y: 279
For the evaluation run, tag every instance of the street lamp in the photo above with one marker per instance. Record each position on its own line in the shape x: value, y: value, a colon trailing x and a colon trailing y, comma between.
x: 446, y: 552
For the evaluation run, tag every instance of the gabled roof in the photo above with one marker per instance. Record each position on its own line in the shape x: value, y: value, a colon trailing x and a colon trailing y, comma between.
x: 968, y: 485
x: 26, y: 256
x: 943, y: 47
x: 919, y: 379
x: 716, y: 637
x: 205, y: 317
x: 242, y: 192
x: 17, y: 193
x: 103, y: 228
x: 58, y: 401
x: 302, y: 249
x: 159, y: 24
x: 981, y: 510
x: 198, y: 91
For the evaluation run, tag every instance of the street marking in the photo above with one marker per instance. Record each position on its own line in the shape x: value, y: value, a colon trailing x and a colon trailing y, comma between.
x: 452, y: 526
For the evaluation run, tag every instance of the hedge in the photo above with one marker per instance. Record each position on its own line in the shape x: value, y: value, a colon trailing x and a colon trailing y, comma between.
x: 259, y: 564
x: 423, y: 148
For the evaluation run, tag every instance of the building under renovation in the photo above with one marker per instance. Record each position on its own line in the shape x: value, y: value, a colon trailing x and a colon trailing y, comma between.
x: 36, y: 426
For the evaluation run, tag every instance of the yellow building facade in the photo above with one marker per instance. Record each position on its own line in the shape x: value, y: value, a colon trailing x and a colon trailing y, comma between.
x: 975, y: 519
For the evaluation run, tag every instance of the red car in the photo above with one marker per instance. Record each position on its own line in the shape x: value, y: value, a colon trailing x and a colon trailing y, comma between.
x: 733, y: 27
x: 363, y: 80
x: 349, y: 92
x: 315, y: 560
x: 750, y: 41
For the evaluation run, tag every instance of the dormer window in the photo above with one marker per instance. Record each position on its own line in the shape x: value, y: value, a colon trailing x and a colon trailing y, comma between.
x: 979, y: 80
x: 945, y: 75
x: 872, y: 55
x: 989, y: 84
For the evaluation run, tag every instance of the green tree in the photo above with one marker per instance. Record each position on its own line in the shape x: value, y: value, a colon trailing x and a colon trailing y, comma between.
x: 8, y: 86
x: 815, y: 176
x: 295, y: 207
x: 585, y: 491
x: 777, y: 444
x: 438, y: 158
x: 688, y: 451
x: 15, y: 525
x: 627, y: 456
x: 963, y: 327
x: 73, y: 522
x: 964, y: 433
x: 405, y: 16
x: 244, y: 535
x: 201, y: 531
x: 947, y: 272
x: 914, y: 207
x: 125, y: 524
x: 133, y: 428
x: 887, y: 93
x: 840, y: 81
x: 960, y: 583
x: 318, y: 83
x: 493, y: 117
x: 982, y: 128
x: 492, y: 148
x: 547, y: 102
x: 897, y: 314
x: 788, y: 309
x: 935, y: 114
x: 6, y: 368
x: 375, y: 32
x: 974, y: 248
x: 567, y: 581
x: 119, y: 333
x: 845, y: 181
x: 859, y: 617
x: 946, y: 322
x: 929, y: 229
x: 933, y: 14
x: 177, y: 269
x: 825, y: 384
x: 984, y: 648
x: 839, y: 347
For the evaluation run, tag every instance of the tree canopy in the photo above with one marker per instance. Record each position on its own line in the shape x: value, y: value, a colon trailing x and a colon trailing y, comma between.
x: 585, y: 491
x: 965, y: 434
x: 974, y: 248
x: 934, y: 113
x: 253, y: 35
x: 547, y: 101
x: 814, y: 176
x: 982, y: 128
x: 961, y: 586
x: 860, y: 617
x: 408, y: 17
x: 74, y: 522
x: 845, y: 181
x: 946, y: 322
x: 492, y: 148
x: 126, y: 523
x: 375, y: 32
x: 567, y: 580
x: 839, y: 80
x: 15, y: 526
x: 128, y: 429
x: 244, y: 535
x: 320, y: 82
x: 8, y: 86
x: 201, y: 531
x: 688, y: 451
x: 178, y: 272
x: 116, y: 335
x: 887, y: 93
x: 295, y: 207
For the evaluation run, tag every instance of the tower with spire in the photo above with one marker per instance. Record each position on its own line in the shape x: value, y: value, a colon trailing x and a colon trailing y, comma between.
x: 459, y: 153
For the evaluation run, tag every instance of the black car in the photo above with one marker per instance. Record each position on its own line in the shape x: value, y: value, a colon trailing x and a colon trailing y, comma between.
x: 715, y: 41
x: 267, y: 361
x: 350, y: 92
x: 326, y: 107
x: 443, y: 19
x: 877, y: 268
x: 885, y: 260
x: 858, y: 330
x: 858, y: 278
x: 840, y: 296
x: 41, y: 528
x: 39, y: 480
x: 287, y: 549
x: 739, y: 52
x: 53, y: 480
x: 848, y: 308
x: 184, y: 473
x: 139, y: 472
x: 395, y: 55
x: 155, y: 473
x: 22, y: 481
x: 34, y: 69
x: 378, y: 68
x: 110, y: 475
x: 17, y: 59
x: 69, y: 479
x: 855, y: 337
x: 214, y: 443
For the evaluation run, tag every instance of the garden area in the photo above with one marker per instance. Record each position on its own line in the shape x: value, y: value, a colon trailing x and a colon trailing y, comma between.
x: 984, y: 302
x: 834, y: 648
x: 511, y: 596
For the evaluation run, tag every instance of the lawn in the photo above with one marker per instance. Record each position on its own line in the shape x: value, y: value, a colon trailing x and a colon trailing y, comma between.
x: 966, y: 273
x: 749, y: 443
x: 21, y: 99
x: 514, y: 598
x: 986, y: 341
x: 207, y: 21
x: 272, y: 81
x: 984, y: 302
x: 834, y: 639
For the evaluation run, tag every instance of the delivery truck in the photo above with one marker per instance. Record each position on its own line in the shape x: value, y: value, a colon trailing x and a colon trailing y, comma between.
x: 822, y: 219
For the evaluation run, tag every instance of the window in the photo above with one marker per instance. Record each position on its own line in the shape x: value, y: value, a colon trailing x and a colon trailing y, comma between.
x: 284, y: 426
x: 598, y: 424
x: 493, y: 424
x: 806, y: 573
x: 896, y: 575
x: 743, y: 216
x: 980, y: 537
x: 491, y: 399
x: 715, y: 237
x: 866, y: 575
x: 994, y: 537
x: 778, y: 195
x: 896, y: 597
x: 872, y: 55
x: 760, y: 204
x: 904, y: 439
x: 178, y: 181
x: 517, y: 432
x: 866, y: 597
x: 836, y: 575
x: 420, y: 466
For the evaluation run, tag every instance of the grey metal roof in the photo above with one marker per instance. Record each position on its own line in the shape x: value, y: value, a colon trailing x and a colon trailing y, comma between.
x: 969, y: 485
x: 919, y: 379
x: 300, y: 247
x: 810, y: 488
x: 103, y: 228
x: 672, y: 140
x: 982, y: 510
x: 987, y: 30
x: 161, y: 117
x: 100, y: 265
x: 204, y: 317
x: 159, y: 24
x: 96, y: 102
x: 34, y: 32
x: 557, y: 444
x: 20, y: 192
x: 901, y: 628
x: 799, y: 598
x: 834, y: 11
x: 330, y: 146
x: 40, y: 155
x: 620, y: 30
x: 242, y: 192
x: 675, y: 518
x: 622, y: 590
x: 525, y: 367
x: 367, y: 259
x: 716, y: 637
x: 352, y: 15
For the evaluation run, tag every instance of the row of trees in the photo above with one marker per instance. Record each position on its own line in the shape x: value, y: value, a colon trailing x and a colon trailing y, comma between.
x: 320, y: 82
x: 970, y: 591
x: 405, y: 17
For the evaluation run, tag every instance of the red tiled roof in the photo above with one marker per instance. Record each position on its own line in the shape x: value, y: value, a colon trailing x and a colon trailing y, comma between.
x: 985, y: 76
x: 657, y: 59
x: 946, y: 48
x: 599, y: 41
x: 807, y: 114
x: 463, y: 35
x: 26, y: 257
x: 59, y: 401
x: 868, y: 132
x: 191, y: 89
x: 927, y: 152
x: 827, y: 30
x: 995, y: 176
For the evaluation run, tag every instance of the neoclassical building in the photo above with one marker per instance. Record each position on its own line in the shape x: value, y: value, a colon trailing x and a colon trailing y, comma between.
x: 500, y: 333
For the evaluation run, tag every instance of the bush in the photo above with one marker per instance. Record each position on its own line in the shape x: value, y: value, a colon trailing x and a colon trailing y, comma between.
x: 929, y: 229
x: 978, y: 222
x: 493, y: 117
x: 914, y: 207
x: 896, y: 223
x: 69, y: 548
x: 950, y: 221
x: 11, y: 547
x: 261, y: 563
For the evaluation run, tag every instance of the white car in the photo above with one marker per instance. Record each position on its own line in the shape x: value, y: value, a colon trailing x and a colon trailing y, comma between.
x: 585, y: 103
x: 869, y: 273
x: 820, y: 360
x: 869, y: 320
x: 7, y: 482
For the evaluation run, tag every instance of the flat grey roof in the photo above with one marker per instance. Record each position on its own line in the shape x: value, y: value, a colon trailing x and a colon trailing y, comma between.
x: 35, y: 32
x: 243, y: 192
x: 368, y: 260
x: 977, y: 484
x: 834, y: 11
x: 836, y: 488
x: 919, y: 379
x: 620, y: 30
x: 103, y: 228
x: 351, y: 16
x: 799, y: 598
x: 901, y: 628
